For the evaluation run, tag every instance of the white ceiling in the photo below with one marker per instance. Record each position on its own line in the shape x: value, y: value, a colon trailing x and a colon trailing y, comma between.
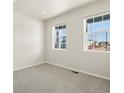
x: 45, y: 9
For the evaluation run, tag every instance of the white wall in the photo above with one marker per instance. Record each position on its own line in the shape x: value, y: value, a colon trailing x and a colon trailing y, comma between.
x: 74, y: 57
x: 28, y: 40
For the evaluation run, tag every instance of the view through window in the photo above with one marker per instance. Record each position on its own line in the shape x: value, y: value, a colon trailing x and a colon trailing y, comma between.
x: 98, y: 33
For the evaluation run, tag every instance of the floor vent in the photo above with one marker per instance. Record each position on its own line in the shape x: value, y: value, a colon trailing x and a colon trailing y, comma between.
x: 75, y: 72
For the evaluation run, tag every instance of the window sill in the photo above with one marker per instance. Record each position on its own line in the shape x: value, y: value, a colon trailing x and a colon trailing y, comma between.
x: 96, y: 51
x: 59, y: 49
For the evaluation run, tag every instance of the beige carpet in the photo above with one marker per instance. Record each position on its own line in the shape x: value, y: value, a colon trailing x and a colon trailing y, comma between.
x: 52, y: 79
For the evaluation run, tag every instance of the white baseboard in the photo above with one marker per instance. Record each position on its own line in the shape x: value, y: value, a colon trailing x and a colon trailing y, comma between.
x: 107, y: 78
x: 49, y: 62
x: 29, y: 66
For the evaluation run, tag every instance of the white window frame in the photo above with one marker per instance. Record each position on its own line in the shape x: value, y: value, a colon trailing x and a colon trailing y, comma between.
x: 54, y: 37
x: 85, y: 33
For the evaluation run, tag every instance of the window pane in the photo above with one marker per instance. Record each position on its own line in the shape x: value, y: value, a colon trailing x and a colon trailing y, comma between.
x: 64, y: 26
x: 63, y: 42
x: 90, y: 41
x: 106, y: 25
x: 56, y: 27
x: 108, y: 36
x: 97, y: 41
x: 90, y: 20
x: 100, y: 41
x: 63, y: 38
x: 90, y: 37
x: 90, y: 27
x: 108, y: 41
x: 57, y: 43
x: 98, y: 19
x: 106, y: 17
x: 60, y: 27
x: 57, y: 39
x: 57, y: 33
x: 100, y: 37
x: 98, y: 26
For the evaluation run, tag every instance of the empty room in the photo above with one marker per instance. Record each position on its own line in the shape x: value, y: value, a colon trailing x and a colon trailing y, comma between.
x: 61, y: 46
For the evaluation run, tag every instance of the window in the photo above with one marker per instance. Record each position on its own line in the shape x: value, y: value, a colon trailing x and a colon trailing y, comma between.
x: 60, y: 34
x: 97, y: 33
